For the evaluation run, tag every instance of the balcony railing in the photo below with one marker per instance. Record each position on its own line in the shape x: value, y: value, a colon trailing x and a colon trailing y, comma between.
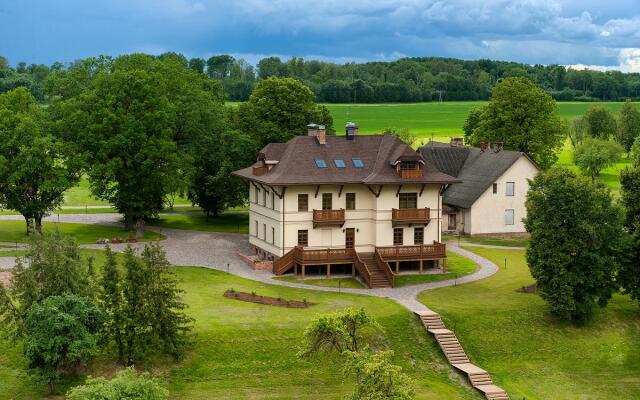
x: 328, y: 217
x: 418, y: 252
x: 410, y: 216
x: 410, y: 173
x: 257, y: 171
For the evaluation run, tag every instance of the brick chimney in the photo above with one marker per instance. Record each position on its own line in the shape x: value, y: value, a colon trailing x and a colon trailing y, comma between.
x: 497, y: 146
x: 484, y: 145
x: 322, y: 134
x: 457, y: 141
x: 312, y: 129
x: 351, y: 130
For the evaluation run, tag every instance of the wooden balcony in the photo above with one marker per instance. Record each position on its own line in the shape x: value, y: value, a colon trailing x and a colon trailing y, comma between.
x: 401, y: 216
x: 410, y: 173
x: 328, y: 217
x: 434, y: 251
x: 257, y: 171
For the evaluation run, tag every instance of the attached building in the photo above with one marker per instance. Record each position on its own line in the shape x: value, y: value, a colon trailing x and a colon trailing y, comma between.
x: 490, y: 200
x: 370, y: 203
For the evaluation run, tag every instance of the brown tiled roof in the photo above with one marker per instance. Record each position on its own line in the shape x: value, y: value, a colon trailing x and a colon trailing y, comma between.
x: 296, y: 162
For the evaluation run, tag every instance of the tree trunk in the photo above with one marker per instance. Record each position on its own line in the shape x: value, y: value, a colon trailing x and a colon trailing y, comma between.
x: 29, y: 224
x: 139, y: 225
x: 129, y: 223
x: 38, y: 225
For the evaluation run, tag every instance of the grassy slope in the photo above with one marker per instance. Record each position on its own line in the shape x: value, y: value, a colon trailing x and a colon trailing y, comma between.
x: 14, y: 231
x: 532, y: 354
x: 510, y: 242
x: 331, y: 282
x: 457, y: 267
x: 248, y: 351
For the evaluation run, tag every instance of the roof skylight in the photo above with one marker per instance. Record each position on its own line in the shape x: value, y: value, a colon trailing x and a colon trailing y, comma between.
x: 339, y: 163
x: 357, y: 163
x: 321, y: 164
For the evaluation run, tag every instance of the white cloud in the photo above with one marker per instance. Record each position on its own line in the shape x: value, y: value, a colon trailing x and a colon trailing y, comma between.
x: 628, y: 61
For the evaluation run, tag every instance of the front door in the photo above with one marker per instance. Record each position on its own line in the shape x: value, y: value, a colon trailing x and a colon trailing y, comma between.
x: 349, y: 238
x: 452, y: 222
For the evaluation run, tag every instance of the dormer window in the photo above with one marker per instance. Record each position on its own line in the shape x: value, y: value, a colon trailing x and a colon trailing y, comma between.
x: 408, y: 166
x: 409, y: 169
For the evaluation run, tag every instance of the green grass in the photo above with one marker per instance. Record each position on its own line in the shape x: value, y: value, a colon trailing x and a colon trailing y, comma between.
x: 331, y: 282
x: 529, y: 352
x: 226, y: 223
x: 491, y: 241
x: 457, y: 267
x: 248, y: 351
x: 427, y: 119
x: 14, y: 231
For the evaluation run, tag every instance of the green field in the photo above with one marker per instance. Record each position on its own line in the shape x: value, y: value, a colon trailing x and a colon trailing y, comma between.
x: 248, y: 351
x: 14, y: 231
x: 427, y: 119
x: 529, y: 352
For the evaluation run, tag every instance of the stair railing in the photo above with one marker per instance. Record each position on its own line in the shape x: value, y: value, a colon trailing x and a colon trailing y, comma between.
x: 384, y: 266
x: 362, y: 269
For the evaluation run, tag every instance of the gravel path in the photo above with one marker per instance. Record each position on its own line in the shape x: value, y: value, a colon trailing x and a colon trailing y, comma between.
x: 219, y: 251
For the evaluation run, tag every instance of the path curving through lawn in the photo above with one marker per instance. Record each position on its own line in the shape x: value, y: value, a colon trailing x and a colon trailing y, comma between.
x: 219, y: 251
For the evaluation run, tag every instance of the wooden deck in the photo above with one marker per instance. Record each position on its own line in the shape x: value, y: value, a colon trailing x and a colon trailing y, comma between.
x: 448, y: 342
x: 328, y: 217
x: 373, y: 268
x: 400, y: 216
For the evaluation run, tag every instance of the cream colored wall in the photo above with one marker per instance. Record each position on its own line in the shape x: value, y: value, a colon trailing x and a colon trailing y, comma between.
x: 487, y: 214
x: 266, y: 215
x: 371, y: 218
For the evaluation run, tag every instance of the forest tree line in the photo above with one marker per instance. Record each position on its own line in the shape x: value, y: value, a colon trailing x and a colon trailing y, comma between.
x: 417, y: 79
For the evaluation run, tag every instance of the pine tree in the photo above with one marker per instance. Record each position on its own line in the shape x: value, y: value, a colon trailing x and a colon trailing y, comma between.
x: 171, y: 325
x: 137, y: 321
x: 112, y: 302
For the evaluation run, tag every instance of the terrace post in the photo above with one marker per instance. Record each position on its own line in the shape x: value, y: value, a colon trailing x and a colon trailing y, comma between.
x: 397, y: 267
x: 421, y: 264
x: 353, y: 269
x: 328, y: 270
x: 302, y: 271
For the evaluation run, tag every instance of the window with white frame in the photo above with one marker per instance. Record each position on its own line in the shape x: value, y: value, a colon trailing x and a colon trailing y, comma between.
x: 511, y: 188
x: 508, y: 217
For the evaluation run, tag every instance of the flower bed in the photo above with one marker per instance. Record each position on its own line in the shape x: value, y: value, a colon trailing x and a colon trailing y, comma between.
x: 266, y: 300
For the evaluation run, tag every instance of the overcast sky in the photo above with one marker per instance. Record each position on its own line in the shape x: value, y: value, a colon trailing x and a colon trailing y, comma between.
x: 574, y: 32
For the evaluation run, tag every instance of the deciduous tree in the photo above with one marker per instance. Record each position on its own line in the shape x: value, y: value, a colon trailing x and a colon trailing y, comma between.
x: 594, y: 155
x: 60, y: 332
x: 377, y: 377
x: 629, y: 275
x: 576, y: 238
x: 35, y: 170
x: 628, y: 125
x: 601, y: 123
x: 525, y: 118
x: 127, y: 384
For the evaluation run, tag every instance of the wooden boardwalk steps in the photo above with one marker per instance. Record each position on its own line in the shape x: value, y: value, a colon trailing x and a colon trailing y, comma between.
x: 378, y: 277
x: 479, y: 378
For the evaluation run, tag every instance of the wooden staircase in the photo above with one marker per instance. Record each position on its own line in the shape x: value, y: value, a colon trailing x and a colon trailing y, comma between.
x: 378, y: 278
x: 448, y: 342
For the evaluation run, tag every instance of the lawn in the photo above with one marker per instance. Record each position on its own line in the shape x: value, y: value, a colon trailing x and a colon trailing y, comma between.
x: 457, y: 267
x: 490, y: 241
x: 529, y: 352
x: 237, y: 222
x: 330, y: 282
x: 14, y: 231
x: 248, y: 351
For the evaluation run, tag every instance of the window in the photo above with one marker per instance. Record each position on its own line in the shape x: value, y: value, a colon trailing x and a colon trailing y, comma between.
x: 398, y: 238
x: 508, y: 217
x: 273, y: 235
x: 408, y: 165
x: 257, y: 194
x: 357, y: 163
x: 264, y: 198
x: 511, y: 188
x: 495, y: 188
x: 351, y: 201
x: 264, y: 232
x: 418, y: 235
x: 256, y: 228
x: 303, y: 202
x: 452, y: 222
x: 321, y: 164
x: 327, y: 201
x: 303, y: 237
x: 339, y: 163
x: 273, y: 200
x: 408, y: 200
